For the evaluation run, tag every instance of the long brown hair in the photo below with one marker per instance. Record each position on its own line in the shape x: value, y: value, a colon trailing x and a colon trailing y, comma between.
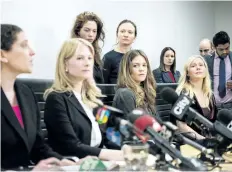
x: 145, y: 93
x: 83, y: 18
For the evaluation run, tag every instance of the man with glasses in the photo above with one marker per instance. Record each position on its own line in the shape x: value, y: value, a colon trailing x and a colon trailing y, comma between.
x: 206, y: 47
x: 220, y: 70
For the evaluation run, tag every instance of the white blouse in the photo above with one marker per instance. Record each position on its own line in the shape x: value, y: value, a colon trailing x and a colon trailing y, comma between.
x: 96, y: 136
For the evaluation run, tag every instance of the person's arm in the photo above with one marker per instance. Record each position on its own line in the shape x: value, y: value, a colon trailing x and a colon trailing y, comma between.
x: 157, y: 75
x: 183, y: 127
x: 56, y: 117
x: 125, y: 101
x: 106, y: 69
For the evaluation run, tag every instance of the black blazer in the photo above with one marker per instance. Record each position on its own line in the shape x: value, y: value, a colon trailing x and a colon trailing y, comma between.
x: 69, y: 128
x: 98, y: 74
x: 18, y: 145
x: 163, y: 77
x: 210, y: 62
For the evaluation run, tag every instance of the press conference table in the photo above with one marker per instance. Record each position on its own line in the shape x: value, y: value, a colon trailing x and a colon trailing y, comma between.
x: 186, y: 150
x: 189, y: 151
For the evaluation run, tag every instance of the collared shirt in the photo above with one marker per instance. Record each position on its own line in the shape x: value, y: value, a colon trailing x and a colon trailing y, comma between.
x: 228, y: 97
x: 96, y: 136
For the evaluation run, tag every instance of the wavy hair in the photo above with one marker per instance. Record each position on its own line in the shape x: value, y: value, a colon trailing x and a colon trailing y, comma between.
x: 145, y: 93
x: 83, y: 18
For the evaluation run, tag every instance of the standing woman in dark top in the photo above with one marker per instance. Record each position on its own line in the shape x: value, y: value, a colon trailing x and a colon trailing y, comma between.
x: 136, y: 84
x: 195, y: 82
x: 126, y: 34
x: 89, y: 26
x: 166, y: 72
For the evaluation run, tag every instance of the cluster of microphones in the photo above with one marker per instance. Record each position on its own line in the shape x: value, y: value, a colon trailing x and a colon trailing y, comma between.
x: 141, y: 127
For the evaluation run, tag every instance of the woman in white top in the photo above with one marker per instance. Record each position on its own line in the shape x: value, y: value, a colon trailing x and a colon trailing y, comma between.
x: 72, y: 128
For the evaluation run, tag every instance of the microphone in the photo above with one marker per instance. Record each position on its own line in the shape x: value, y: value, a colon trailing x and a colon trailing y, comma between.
x: 147, y: 127
x: 225, y: 116
x: 181, y: 106
x: 224, y: 124
x: 118, y: 130
x: 169, y: 130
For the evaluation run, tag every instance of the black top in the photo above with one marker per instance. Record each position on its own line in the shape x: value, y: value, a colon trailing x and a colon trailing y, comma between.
x: 18, y: 145
x: 164, y: 77
x: 98, y: 74
x: 125, y: 100
x: 111, y: 62
x: 209, y: 113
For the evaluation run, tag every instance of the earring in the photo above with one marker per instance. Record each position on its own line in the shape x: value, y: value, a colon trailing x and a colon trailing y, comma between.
x: 66, y: 70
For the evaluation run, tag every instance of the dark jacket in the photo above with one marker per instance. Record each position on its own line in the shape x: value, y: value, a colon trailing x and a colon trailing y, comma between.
x: 98, y: 74
x: 18, y: 145
x: 210, y: 62
x: 69, y: 128
x: 163, y: 77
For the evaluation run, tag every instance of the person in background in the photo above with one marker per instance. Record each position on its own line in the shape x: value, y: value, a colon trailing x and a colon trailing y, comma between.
x: 21, y: 139
x: 195, y: 82
x: 220, y: 70
x: 206, y: 47
x: 71, y: 124
x: 166, y: 72
x: 126, y: 34
x: 90, y: 27
x: 136, y: 85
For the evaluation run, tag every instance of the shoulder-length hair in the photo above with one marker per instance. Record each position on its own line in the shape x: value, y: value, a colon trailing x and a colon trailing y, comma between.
x: 145, y: 93
x: 162, y: 67
x: 83, y: 18
x: 63, y: 83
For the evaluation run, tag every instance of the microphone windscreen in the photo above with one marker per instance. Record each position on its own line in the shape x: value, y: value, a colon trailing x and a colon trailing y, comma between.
x: 146, y: 121
x: 169, y: 95
x: 105, y: 113
x: 224, y: 116
x: 113, y: 135
x: 135, y: 114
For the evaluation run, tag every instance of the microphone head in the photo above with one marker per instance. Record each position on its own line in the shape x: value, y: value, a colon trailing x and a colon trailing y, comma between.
x: 105, y: 113
x: 225, y: 117
x: 135, y: 114
x: 169, y: 95
x: 146, y: 121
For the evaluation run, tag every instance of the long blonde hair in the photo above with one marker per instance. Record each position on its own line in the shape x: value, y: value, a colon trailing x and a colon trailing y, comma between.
x: 185, y: 85
x: 63, y: 83
x: 145, y: 93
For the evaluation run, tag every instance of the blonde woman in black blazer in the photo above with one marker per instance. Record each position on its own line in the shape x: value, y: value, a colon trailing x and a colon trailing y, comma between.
x: 71, y: 124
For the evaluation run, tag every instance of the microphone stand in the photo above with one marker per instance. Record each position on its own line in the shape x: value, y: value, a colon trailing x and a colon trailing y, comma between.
x: 187, y: 164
